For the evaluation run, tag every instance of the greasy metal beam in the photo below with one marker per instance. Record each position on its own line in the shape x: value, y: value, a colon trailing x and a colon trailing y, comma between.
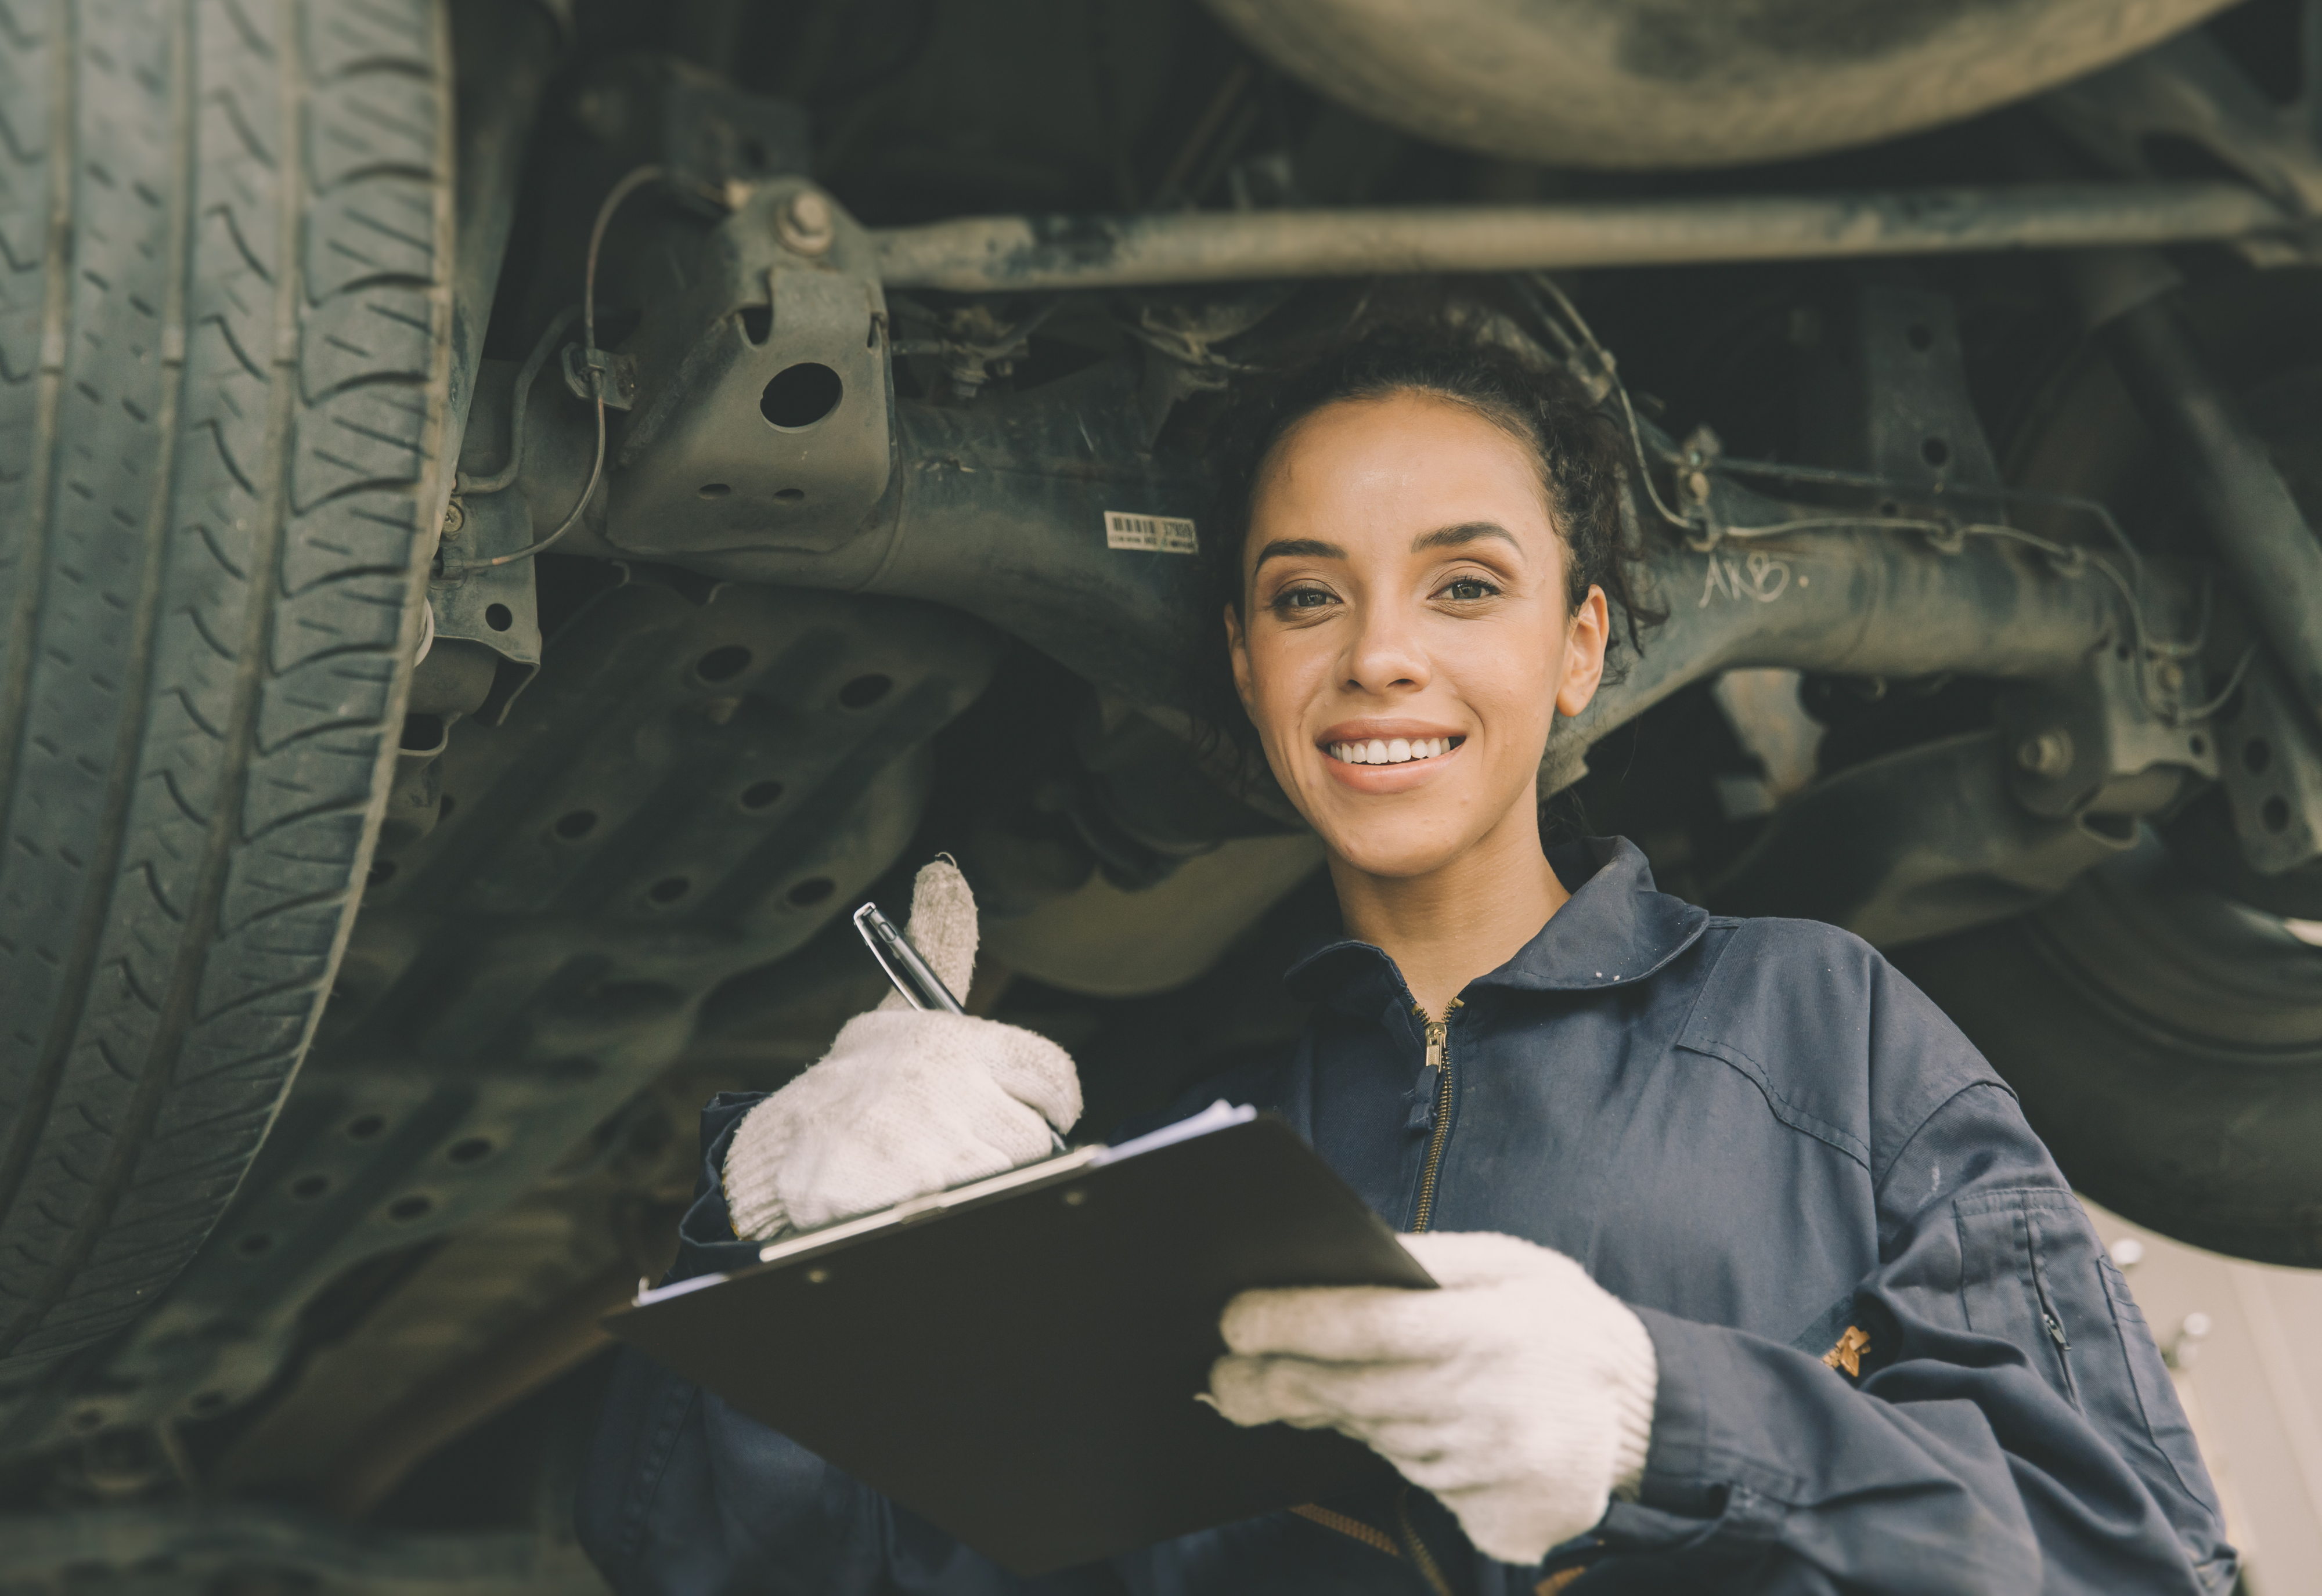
x: 2236, y: 488
x: 990, y: 254
x: 1852, y: 603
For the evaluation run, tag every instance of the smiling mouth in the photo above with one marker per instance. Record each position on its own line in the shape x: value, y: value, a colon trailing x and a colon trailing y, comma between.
x: 1391, y: 751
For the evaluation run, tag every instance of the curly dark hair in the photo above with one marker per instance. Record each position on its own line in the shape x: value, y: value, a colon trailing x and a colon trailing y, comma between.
x: 1581, y: 455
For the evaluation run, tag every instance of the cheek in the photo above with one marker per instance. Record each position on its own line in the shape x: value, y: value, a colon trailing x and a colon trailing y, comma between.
x: 1512, y: 684
x: 1279, y: 684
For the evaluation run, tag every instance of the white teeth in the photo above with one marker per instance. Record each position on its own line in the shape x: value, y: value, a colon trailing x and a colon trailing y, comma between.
x: 1390, y: 751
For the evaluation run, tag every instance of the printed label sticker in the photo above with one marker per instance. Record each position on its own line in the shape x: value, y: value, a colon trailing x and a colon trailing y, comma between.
x: 1163, y: 534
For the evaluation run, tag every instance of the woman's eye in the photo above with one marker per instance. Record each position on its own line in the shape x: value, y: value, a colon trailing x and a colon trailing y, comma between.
x: 1302, y: 598
x: 1467, y: 590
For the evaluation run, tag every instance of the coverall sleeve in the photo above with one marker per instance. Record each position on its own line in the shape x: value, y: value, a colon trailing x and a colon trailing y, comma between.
x: 2012, y: 1428
x: 683, y: 1496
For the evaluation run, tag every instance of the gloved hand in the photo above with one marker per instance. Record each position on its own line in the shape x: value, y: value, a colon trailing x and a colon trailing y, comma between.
x: 907, y: 1101
x: 1520, y: 1394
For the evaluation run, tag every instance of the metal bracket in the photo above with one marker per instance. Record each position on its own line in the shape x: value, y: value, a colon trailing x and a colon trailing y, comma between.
x: 1918, y: 843
x: 2271, y: 771
x: 1893, y: 401
x: 2088, y: 743
x: 493, y: 610
x: 588, y: 372
x: 763, y: 414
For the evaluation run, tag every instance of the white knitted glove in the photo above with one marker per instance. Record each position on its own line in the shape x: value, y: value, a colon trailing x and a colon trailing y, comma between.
x: 1520, y: 1394
x: 907, y: 1101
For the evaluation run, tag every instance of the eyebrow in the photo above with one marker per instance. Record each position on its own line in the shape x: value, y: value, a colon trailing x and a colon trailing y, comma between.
x: 1291, y: 547
x: 1467, y: 532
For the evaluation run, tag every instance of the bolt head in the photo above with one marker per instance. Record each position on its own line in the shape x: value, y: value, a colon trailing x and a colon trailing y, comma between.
x: 806, y: 224
x: 2046, y: 755
x: 455, y: 516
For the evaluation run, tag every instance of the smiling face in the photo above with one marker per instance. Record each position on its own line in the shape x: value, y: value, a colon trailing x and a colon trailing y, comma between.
x: 1406, y: 638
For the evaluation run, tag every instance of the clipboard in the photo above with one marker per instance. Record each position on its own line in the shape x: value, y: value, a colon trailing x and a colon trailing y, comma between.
x: 1016, y: 1359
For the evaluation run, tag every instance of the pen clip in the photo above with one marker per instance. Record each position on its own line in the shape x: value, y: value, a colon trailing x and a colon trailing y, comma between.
x: 906, y: 968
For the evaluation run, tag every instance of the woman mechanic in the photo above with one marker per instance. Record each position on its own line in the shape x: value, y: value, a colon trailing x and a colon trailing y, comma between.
x: 1753, y: 1276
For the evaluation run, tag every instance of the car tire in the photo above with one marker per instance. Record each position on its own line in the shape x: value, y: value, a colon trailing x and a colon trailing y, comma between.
x: 1686, y: 83
x: 225, y: 340
x: 2166, y: 1042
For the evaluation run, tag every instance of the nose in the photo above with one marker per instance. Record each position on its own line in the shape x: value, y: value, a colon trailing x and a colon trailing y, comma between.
x: 1386, y: 657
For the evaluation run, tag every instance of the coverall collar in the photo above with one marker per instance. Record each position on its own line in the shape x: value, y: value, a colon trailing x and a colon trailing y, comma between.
x: 1616, y: 929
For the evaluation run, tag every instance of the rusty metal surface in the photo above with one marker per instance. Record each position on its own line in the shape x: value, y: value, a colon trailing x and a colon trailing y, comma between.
x: 1856, y: 603
x: 696, y: 783
x: 990, y: 254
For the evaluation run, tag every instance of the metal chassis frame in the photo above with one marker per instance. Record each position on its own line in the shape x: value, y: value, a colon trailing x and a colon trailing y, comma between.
x: 998, y: 509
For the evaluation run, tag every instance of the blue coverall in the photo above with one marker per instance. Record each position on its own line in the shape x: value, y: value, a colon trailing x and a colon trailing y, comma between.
x: 1754, y: 1131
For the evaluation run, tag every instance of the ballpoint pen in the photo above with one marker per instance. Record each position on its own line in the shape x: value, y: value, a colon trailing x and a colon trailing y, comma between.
x: 913, y: 976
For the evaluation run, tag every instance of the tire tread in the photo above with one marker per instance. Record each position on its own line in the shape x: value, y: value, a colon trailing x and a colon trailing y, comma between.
x: 210, y: 518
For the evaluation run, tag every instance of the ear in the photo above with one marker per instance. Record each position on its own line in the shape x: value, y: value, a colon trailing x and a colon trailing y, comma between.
x: 1237, y: 651
x: 1584, y: 654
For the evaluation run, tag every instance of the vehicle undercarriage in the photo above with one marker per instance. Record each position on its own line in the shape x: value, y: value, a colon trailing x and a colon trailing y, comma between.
x: 521, y: 515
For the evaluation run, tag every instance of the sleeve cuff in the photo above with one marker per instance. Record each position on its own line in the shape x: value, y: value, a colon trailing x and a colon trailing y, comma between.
x: 705, y: 1241
x: 1635, y: 1368
x: 753, y: 1206
x: 1697, y: 1452
x: 1679, y: 1498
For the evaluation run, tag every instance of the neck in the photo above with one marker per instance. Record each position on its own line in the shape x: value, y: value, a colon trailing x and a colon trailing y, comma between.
x: 1464, y: 919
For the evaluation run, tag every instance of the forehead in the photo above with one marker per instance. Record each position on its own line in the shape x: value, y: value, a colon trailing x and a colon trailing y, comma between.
x: 1399, y: 460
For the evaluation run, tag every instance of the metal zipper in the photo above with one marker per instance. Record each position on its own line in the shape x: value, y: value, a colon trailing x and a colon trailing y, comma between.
x: 1439, y: 1059
x: 1414, y: 1544
x: 2052, y: 1323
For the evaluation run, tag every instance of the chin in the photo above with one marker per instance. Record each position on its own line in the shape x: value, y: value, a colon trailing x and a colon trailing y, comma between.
x: 1391, y: 857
